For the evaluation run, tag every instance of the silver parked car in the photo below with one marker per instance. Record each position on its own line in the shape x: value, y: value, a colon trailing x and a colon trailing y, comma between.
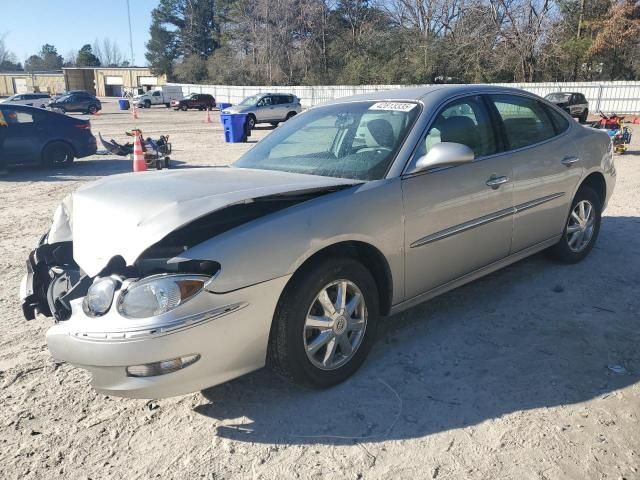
x: 40, y: 100
x: 270, y: 108
x: 165, y: 283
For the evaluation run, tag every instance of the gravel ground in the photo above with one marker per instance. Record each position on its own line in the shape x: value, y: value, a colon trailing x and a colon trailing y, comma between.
x: 529, y: 373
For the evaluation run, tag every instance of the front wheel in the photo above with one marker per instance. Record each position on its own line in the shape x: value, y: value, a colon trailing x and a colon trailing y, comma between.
x: 252, y: 121
x: 147, y: 104
x: 582, y: 227
x: 184, y: 108
x: 325, y: 323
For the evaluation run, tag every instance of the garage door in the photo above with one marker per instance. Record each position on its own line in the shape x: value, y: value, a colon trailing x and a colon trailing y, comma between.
x: 20, y: 85
x: 147, y: 81
x: 113, y: 80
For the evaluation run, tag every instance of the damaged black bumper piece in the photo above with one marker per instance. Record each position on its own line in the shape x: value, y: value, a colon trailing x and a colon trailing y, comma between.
x: 52, y: 281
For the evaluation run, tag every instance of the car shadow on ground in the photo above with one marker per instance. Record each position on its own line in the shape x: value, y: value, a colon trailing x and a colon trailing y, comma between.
x: 80, y: 168
x: 536, y: 334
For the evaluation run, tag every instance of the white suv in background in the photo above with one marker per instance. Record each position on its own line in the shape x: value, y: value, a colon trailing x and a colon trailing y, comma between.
x: 270, y: 108
x: 30, y: 99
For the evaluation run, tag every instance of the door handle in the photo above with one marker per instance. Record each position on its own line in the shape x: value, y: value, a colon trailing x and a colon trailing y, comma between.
x: 570, y: 160
x: 495, y: 182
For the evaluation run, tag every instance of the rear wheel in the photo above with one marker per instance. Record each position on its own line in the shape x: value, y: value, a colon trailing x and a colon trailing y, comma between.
x: 92, y: 109
x: 582, y: 227
x: 325, y: 323
x: 275, y: 124
x: 583, y: 117
x: 291, y: 114
x: 57, y: 154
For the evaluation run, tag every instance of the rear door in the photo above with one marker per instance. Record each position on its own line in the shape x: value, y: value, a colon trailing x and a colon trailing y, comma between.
x: 546, y: 167
x: 24, y: 138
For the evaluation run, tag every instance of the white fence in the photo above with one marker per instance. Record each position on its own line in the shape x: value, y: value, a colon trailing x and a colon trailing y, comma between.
x: 620, y: 97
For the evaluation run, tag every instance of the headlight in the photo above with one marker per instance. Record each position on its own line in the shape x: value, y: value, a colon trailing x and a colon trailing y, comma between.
x: 159, y: 294
x: 99, y: 297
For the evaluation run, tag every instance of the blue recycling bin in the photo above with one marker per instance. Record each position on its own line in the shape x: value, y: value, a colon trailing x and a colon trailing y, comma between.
x: 234, y: 126
x: 123, y: 104
x: 222, y: 105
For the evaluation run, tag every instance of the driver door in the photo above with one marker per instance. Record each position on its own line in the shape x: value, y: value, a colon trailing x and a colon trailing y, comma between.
x: 457, y: 219
x: 264, y: 109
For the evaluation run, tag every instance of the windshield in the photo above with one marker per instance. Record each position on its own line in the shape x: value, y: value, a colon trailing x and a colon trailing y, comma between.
x: 350, y: 140
x: 252, y: 100
x: 558, y: 97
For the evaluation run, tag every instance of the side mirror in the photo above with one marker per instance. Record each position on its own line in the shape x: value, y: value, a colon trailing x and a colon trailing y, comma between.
x: 445, y: 154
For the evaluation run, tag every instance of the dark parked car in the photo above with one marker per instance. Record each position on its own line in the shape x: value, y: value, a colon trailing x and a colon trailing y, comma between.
x: 574, y: 103
x: 201, y: 101
x: 76, y: 102
x: 37, y: 136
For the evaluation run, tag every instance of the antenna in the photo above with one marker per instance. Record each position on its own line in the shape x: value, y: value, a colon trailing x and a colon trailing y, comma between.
x: 133, y: 62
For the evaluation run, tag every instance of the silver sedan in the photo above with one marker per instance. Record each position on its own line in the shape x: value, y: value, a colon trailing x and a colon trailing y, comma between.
x: 168, y: 282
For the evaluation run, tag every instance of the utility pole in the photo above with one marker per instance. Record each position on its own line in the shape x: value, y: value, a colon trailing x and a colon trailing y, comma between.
x: 133, y: 62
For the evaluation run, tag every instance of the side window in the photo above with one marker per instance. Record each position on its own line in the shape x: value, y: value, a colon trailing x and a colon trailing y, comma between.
x: 16, y: 118
x: 464, y: 121
x: 525, y: 120
x: 156, y: 94
x: 559, y: 122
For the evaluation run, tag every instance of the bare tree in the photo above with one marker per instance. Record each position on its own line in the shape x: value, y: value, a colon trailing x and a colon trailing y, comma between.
x: 108, y: 52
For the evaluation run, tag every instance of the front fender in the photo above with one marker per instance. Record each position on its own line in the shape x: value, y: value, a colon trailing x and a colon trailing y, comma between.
x: 277, y: 244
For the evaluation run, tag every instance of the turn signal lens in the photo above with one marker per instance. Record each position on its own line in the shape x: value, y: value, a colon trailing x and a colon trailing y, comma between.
x: 163, y: 367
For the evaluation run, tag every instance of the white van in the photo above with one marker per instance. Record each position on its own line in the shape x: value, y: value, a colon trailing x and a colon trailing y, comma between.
x: 162, y: 96
x: 30, y: 99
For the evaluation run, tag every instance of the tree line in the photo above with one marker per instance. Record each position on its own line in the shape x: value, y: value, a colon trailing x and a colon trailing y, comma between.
x: 307, y: 42
x: 105, y: 53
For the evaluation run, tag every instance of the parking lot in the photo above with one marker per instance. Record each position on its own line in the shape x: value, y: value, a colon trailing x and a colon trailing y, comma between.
x: 530, y: 373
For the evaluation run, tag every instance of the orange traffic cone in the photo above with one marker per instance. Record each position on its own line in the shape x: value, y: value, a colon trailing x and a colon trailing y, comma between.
x: 139, y: 165
x: 134, y: 112
x: 208, y: 120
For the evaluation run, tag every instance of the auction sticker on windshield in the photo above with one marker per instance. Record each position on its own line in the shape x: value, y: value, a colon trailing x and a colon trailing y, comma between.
x: 393, y: 106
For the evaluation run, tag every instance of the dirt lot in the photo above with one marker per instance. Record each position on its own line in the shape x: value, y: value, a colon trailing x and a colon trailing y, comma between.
x: 529, y: 373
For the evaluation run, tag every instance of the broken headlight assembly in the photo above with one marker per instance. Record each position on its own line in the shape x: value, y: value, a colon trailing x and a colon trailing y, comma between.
x: 99, y: 297
x: 158, y: 294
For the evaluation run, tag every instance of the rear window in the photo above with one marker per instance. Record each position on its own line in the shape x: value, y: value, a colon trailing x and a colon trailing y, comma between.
x: 559, y: 121
x: 525, y: 120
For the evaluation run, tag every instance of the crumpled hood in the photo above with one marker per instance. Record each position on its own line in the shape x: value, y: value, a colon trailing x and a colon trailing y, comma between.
x: 126, y: 214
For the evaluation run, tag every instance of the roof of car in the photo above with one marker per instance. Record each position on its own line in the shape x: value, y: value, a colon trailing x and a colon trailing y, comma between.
x: 418, y: 93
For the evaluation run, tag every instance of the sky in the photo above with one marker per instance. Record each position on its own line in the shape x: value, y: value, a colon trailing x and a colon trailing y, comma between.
x: 69, y: 24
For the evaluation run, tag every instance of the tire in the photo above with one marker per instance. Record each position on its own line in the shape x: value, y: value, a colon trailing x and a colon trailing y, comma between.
x: 290, y: 335
x: 571, y: 248
x: 57, y: 154
x: 167, y: 105
x: 583, y: 117
x: 167, y: 162
x: 92, y: 109
x: 184, y: 108
x: 291, y: 114
x: 275, y: 124
x: 252, y: 121
x: 159, y: 164
x: 147, y: 104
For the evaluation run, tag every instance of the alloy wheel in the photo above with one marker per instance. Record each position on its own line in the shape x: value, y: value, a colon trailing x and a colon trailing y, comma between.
x: 581, y: 225
x: 335, y: 325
